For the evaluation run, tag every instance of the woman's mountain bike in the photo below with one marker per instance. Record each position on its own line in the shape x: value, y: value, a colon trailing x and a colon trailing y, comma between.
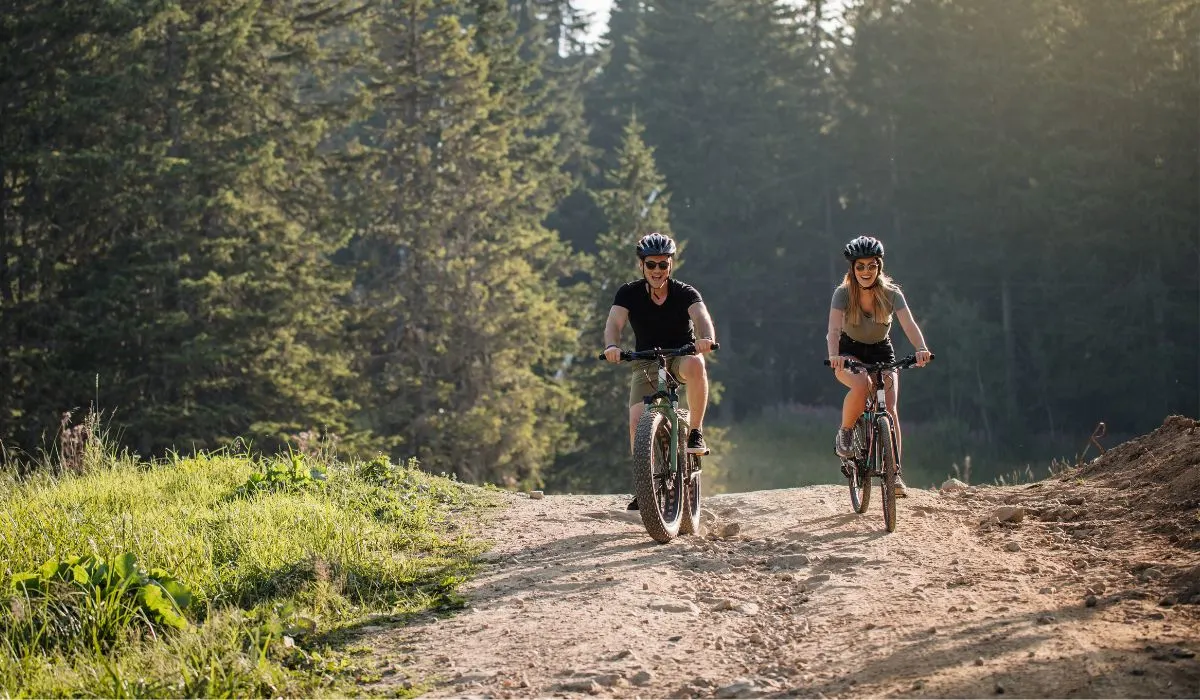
x: 666, y: 479
x: 875, y: 442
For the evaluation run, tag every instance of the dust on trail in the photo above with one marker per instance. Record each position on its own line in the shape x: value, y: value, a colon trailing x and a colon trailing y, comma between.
x: 1088, y: 588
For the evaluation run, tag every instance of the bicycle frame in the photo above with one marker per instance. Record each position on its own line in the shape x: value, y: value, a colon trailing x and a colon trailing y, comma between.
x: 665, y: 400
x: 875, y: 454
x: 876, y: 407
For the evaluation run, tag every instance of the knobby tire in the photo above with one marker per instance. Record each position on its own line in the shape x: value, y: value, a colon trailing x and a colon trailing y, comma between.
x: 659, y: 503
x: 887, y: 454
x: 860, y: 479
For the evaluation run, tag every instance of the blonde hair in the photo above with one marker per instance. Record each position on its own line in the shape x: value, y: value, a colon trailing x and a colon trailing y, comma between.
x: 882, y: 292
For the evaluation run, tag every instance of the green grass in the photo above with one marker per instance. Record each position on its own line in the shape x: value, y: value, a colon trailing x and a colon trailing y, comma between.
x: 794, y: 447
x: 279, y: 556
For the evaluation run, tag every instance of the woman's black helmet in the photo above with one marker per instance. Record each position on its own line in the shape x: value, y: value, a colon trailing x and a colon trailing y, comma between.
x: 655, y: 244
x: 863, y: 247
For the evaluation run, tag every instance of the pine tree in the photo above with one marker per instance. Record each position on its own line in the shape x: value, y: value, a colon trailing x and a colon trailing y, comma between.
x: 204, y: 298
x: 634, y: 203
x: 735, y: 129
x: 460, y: 297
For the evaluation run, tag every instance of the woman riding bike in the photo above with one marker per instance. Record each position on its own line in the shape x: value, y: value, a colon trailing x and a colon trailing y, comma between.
x: 860, y: 321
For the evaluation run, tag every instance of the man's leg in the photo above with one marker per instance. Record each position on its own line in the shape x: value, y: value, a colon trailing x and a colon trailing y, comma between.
x: 694, y: 373
x: 635, y: 415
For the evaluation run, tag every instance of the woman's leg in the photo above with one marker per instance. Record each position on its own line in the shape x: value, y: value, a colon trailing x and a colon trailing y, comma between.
x: 856, y: 399
x: 892, y: 383
x: 852, y: 407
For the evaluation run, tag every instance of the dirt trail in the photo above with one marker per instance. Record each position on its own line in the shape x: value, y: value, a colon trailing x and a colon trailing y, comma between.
x: 1080, y: 598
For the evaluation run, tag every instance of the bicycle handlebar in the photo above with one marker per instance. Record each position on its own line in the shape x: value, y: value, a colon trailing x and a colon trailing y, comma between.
x: 854, y: 366
x: 630, y: 355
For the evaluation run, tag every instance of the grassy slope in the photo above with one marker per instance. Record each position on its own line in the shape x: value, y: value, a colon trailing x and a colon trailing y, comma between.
x: 369, y: 540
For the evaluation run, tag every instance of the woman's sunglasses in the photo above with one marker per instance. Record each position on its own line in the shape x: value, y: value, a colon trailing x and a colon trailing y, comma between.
x: 863, y: 267
x: 661, y: 265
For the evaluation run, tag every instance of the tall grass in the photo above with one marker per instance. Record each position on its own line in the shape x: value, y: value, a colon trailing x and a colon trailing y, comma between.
x: 273, y: 572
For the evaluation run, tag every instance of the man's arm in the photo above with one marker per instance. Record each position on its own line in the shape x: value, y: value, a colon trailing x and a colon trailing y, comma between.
x: 617, y: 317
x: 705, y: 333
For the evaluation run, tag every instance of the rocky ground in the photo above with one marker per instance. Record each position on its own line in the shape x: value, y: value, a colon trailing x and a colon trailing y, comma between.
x: 1083, y: 585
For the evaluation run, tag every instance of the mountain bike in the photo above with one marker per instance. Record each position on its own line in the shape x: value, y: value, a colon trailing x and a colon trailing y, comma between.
x: 666, y: 478
x: 875, y: 442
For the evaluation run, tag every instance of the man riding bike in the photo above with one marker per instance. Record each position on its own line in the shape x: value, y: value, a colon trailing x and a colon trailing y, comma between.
x: 664, y: 313
x: 860, y: 323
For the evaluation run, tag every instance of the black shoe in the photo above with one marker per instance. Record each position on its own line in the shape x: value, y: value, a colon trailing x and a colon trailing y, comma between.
x: 695, y: 443
x: 632, y: 504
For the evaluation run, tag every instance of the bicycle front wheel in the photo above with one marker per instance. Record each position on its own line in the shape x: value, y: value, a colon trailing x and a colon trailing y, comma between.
x: 658, y: 486
x: 690, y: 523
x: 860, y: 473
x: 887, y: 455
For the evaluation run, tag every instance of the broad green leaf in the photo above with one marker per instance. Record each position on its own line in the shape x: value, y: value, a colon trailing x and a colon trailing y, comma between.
x: 50, y: 569
x: 126, y: 567
x: 158, y: 602
x: 27, y: 581
x: 178, y: 592
x: 101, y: 573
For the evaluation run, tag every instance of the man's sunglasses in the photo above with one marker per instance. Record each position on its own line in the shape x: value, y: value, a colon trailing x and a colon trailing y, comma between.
x: 661, y: 265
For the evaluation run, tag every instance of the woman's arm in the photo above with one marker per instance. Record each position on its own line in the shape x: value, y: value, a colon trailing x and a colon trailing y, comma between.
x: 913, y: 332
x: 837, y: 318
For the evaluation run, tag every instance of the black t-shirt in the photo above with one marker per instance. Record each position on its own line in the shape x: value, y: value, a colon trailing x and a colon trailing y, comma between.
x: 655, y: 326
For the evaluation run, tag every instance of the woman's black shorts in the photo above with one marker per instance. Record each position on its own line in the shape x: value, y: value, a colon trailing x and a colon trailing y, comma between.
x: 867, y: 353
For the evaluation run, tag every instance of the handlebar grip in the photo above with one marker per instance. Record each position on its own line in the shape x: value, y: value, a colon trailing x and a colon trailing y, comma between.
x: 716, y: 346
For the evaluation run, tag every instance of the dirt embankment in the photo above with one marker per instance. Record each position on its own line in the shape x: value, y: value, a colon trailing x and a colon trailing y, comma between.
x: 1085, y: 584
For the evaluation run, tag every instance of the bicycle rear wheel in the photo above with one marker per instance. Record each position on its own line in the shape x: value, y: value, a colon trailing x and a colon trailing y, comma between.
x: 658, y: 487
x: 887, y: 454
x: 690, y: 523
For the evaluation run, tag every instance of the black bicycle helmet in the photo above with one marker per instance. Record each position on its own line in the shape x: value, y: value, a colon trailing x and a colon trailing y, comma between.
x: 655, y: 244
x: 863, y: 247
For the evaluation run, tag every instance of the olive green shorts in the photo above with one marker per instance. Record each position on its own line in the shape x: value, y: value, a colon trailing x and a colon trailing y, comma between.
x: 643, y: 379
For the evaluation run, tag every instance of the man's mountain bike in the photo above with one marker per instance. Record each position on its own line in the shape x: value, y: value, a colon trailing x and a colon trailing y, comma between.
x: 666, y: 479
x: 875, y: 442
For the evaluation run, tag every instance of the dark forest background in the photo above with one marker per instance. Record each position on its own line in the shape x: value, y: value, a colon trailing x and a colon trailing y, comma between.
x: 401, y: 223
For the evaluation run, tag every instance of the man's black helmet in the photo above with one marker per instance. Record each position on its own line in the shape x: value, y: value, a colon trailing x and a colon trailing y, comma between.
x: 863, y: 247
x: 655, y: 244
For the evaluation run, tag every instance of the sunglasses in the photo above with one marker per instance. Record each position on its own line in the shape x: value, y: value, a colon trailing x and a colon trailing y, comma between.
x: 863, y: 267
x: 661, y: 265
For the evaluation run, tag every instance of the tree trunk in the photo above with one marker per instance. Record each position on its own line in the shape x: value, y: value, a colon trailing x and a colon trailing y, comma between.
x: 1010, y: 349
